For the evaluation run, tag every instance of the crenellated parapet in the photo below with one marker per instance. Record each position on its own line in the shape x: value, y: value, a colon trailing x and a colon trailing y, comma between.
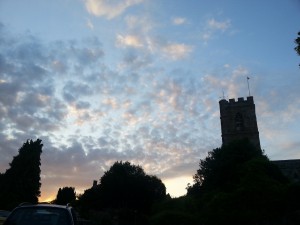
x: 234, y: 102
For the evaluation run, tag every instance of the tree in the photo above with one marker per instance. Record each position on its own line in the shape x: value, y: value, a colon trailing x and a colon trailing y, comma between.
x: 125, y: 193
x: 65, y: 195
x: 221, y: 167
x: 127, y: 186
x: 239, y: 181
x: 21, y: 182
x: 297, y: 41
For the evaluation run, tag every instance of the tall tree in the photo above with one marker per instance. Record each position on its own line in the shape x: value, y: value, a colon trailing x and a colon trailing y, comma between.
x: 21, y: 182
x: 65, y: 195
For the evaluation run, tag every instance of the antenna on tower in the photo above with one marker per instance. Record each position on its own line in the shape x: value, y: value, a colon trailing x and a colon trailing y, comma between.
x: 248, y: 85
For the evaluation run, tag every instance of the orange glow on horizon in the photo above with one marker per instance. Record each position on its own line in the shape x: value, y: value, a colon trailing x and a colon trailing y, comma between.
x: 46, y: 198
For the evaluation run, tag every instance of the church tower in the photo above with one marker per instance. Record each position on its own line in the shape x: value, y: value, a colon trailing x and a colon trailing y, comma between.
x: 238, y: 120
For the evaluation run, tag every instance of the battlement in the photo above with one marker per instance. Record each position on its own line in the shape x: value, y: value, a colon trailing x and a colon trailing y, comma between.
x: 240, y: 100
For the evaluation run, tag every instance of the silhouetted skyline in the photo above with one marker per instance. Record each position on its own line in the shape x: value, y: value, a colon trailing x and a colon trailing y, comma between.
x: 102, y: 82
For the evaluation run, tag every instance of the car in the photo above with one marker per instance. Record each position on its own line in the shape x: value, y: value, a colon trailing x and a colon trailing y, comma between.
x: 42, y: 214
x: 3, y: 215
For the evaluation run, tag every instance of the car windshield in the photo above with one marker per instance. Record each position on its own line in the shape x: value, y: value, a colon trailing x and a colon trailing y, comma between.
x: 39, y: 216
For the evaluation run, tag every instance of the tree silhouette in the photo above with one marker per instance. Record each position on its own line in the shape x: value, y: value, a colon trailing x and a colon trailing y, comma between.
x: 65, y: 195
x: 21, y: 182
x: 220, y: 169
x: 297, y: 41
x: 125, y: 194
x: 239, y: 181
x: 127, y: 186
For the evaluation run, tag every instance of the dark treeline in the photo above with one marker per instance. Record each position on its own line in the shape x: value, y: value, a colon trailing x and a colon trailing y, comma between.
x: 235, y: 184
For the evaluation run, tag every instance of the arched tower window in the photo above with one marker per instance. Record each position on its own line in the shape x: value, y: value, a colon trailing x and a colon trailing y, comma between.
x: 239, y: 122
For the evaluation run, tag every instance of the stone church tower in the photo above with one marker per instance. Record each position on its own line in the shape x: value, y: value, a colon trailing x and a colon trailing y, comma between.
x: 238, y: 120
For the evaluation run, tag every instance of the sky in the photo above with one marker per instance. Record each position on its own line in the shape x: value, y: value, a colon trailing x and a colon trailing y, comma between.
x: 100, y: 81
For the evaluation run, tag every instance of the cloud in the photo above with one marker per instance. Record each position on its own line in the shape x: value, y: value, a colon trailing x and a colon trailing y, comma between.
x: 219, y: 25
x: 139, y: 24
x: 30, y: 94
x: 179, y: 20
x: 277, y: 117
x: 111, y: 102
x: 90, y: 113
x: 75, y: 90
x: 147, y: 46
x: 129, y: 41
x: 136, y: 60
x: 169, y: 50
x: 213, y: 26
x: 206, y: 36
x: 141, y: 52
x: 176, y: 51
x: 89, y: 24
x: 109, y: 9
x: 226, y: 81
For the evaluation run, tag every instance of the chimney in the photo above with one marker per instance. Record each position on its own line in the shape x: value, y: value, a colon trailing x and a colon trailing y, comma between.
x: 94, y: 183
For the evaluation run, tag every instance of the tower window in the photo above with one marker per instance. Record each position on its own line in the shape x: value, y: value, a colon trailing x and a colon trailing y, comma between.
x: 239, y: 122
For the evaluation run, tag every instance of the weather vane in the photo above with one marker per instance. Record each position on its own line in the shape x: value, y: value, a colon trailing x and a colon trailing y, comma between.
x: 248, y: 85
x: 223, y: 97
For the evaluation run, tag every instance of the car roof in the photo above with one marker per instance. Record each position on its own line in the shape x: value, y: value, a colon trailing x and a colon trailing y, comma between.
x: 27, y: 205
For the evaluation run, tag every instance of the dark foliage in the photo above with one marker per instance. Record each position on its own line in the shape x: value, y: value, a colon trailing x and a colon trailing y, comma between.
x: 239, y: 183
x: 124, y: 188
x: 127, y: 186
x: 257, y: 197
x: 21, y: 182
x: 65, y: 195
x: 220, y: 169
x: 182, y: 210
x: 297, y: 41
x: 90, y: 200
